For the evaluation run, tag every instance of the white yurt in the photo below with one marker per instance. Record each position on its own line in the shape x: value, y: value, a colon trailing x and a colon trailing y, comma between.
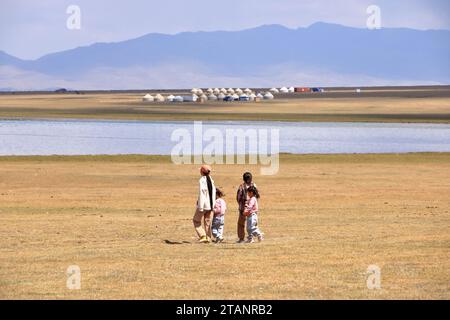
x: 170, y: 98
x: 148, y: 98
x: 209, y: 90
x: 224, y: 91
x: 239, y: 91
x: 178, y: 99
x: 235, y: 97
x: 194, y: 91
x: 252, y: 97
x: 212, y: 97
x: 268, y: 96
x: 203, y: 97
x: 248, y: 91
x: 260, y: 96
x: 284, y: 90
x: 159, y: 98
x: 221, y: 96
x: 199, y: 92
x: 274, y: 90
x: 291, y: 89
x: 230, y: 91
x: 216, y: 91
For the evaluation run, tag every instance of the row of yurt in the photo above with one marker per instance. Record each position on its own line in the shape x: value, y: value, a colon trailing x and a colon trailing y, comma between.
x: 217, y: 91
x: 245, y: 95
x: 282, y: 90
x: 156, y: 98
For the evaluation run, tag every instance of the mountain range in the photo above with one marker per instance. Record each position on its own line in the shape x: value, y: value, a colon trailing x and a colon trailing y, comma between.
x: 271, y: 55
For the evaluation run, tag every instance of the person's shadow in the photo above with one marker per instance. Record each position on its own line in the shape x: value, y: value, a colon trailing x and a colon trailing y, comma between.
x: 176, y: 242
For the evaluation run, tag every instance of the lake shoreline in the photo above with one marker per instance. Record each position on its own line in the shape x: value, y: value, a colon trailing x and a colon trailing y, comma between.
x: 215, y: 117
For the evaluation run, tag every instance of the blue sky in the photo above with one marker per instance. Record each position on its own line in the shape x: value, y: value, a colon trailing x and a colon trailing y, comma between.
x: 30, y: 29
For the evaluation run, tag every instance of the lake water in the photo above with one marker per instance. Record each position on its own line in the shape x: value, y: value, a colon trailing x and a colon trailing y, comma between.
x: 84, y: 137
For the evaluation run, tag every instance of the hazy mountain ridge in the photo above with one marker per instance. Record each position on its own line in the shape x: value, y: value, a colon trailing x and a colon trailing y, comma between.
x: 391, y: 54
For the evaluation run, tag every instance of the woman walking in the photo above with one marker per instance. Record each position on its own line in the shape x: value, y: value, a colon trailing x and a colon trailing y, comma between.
x: 205, y: 205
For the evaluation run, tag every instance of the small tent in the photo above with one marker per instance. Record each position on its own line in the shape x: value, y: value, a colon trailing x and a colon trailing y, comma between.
x: 148, y: 98
x: 268, y: 96
x: 284, y: 90
x: 212, y: 97
x: 170, y: 98
x: 159, y: 98
x: 291, y: 89
x: 274, y: 90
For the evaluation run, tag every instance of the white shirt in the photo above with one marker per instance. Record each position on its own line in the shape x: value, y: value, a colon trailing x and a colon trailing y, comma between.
x: 203, y: 202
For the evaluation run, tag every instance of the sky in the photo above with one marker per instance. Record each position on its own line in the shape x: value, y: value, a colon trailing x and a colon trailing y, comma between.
x: 30, y: 29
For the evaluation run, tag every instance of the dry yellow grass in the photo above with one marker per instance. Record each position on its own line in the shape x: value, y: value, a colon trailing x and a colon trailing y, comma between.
x: 126, y: 221
x: 129, y: 106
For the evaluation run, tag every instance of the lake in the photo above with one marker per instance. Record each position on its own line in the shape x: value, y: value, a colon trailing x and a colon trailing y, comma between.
x: 90, y: 137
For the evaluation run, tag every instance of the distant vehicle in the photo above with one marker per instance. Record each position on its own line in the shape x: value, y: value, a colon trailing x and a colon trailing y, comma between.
x: 61, y: 90
x: 228, y: 98
x: 316, y: 89
x: 302, y: 90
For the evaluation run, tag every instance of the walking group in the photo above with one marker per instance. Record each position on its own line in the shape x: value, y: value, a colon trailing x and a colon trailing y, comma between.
x: 211, y: 209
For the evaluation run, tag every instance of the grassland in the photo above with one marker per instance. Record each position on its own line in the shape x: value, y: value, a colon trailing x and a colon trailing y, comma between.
x: 126, y: 221
x: 385, y: 106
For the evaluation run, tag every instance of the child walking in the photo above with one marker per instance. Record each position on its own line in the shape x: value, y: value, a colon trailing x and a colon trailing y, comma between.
x: 219, y: 216
x: 251, y: 212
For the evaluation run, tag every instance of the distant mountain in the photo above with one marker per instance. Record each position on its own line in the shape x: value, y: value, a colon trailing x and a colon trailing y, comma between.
x: 323, y: 54
x: 6, y: 59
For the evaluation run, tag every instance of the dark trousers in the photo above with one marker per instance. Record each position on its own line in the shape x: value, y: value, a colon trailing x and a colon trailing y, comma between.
x: 241, y: 225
